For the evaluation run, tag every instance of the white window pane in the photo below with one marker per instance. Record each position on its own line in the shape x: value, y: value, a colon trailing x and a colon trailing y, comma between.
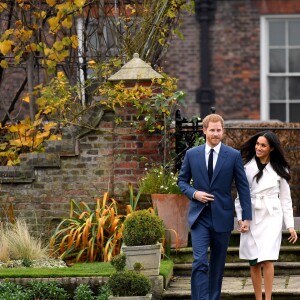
x: 276, y: 33
x: 94, y: 42
x: 294, y: 88
x: 294, y: 33
x: 277, y: 111
x: 294, y: 60
x: 280, y: 68
x: 295, y: 112
x: 277, y: 61
x: 277, y: 88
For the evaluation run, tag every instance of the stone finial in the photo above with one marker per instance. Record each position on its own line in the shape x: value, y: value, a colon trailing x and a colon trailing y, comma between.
x: 135, y: 69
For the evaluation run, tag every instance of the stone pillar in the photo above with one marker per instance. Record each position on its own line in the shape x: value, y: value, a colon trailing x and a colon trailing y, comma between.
x: 133, y: 147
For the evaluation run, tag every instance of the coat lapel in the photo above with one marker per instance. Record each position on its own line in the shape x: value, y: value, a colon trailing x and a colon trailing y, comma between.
x: 202, y: 162
x: 267, y: 181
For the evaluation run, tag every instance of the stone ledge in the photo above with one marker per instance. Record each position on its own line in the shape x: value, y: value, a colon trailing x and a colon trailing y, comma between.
x: 64, y: 147
x: 51, y: 158
x: 16, y: 174
x: 40, y: 160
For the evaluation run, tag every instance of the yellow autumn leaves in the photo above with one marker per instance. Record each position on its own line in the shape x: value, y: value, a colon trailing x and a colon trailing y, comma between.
x: 27, y: 136
x: 78, y: 3
x: 3, y: 6
x: 22, y: 38
x: 6, y: 46
x: 65, y: 13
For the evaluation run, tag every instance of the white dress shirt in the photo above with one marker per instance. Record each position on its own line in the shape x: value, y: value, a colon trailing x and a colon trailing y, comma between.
x: 215, y: 155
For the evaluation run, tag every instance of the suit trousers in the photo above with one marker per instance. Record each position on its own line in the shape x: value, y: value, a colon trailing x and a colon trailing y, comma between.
x: 207, y: 276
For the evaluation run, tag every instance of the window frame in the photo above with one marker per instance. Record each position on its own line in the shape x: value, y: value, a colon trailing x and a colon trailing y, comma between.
x: 264, y: 67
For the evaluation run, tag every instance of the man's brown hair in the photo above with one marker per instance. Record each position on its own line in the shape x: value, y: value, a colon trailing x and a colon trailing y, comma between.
x: 212, y: 118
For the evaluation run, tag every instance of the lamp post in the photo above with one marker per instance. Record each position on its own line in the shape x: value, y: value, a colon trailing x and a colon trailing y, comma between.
x: 205, y: 95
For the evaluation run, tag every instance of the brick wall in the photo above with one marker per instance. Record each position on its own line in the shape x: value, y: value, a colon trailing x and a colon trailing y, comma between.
x: 106, y: 159
x: 235, y: 56
x: 83, y: 168
x: 235, y: 66
x: 234, y: 44
x: 182, y: 61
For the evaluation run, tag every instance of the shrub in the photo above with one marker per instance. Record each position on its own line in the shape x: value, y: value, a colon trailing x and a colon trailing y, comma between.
x: 47, y: 290
x: 17, y: 243
x: 83, y: 292
x: 13, y: 291
x: 17, y: 295
x: 129, y: 283
x: 143, y: 227
x: 89, y: 234
x: 119, y: 262
x: 159, y: 180
x: 104, y: 292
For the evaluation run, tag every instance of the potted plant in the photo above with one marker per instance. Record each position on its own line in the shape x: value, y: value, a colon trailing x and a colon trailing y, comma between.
x: 128, y: 284
x: 142, y: 233
x: 171, y: 205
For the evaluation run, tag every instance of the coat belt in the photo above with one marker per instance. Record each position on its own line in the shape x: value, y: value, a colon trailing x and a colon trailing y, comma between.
x: 261, y: 201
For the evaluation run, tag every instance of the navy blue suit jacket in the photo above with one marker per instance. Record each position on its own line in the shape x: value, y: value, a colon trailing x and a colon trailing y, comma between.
x: 229, y: 168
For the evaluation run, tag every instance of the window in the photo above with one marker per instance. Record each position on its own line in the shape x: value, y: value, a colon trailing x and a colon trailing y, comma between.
x: 280, y: 68
x: 101, y: 37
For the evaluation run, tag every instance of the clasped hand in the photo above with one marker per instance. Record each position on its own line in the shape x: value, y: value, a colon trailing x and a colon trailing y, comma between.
x: 203, y: 197
x: 244, y: 226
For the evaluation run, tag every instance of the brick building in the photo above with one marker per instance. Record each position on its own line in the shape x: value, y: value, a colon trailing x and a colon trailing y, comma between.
x: 249, y: 66
x: 254, y: 58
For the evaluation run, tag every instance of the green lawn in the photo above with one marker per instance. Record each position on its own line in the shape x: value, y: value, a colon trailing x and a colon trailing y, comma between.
x: 77, y: 270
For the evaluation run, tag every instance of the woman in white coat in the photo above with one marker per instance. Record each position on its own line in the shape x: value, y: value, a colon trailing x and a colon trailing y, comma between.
x: 267, y: 173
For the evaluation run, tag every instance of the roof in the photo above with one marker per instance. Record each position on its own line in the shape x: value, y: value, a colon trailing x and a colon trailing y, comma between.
x: 135, y: 69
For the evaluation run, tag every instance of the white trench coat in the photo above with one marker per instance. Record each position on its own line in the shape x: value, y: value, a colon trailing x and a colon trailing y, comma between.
x: 271, y: 205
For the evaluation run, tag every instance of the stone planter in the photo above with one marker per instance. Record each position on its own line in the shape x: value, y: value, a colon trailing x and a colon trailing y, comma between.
x: 149, y: 256
x: 147, y: 297
x: 173, y: 210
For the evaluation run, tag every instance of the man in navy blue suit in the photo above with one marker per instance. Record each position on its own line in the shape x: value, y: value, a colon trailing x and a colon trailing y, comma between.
x: 211, y: 210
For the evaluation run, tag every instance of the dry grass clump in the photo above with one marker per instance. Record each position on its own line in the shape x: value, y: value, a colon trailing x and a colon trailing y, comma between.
x: 16, y: 243
x: 4, y: 252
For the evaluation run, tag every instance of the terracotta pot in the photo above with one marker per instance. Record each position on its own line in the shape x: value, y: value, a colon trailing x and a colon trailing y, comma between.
x: 173, y: 210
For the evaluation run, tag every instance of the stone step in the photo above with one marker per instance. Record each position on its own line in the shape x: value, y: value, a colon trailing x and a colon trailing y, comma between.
x: 236, y: 288
x: 242, y: 269
x: 235, y: 235
x: 235, y: 238
x: 289, y: 253
x: 237, y: 283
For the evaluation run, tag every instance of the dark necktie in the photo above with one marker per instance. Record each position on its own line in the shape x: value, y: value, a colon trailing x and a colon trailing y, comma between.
x: 210, y: 169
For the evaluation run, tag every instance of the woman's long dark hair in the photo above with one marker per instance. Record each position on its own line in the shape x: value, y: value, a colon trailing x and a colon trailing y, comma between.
x: 277, y: 159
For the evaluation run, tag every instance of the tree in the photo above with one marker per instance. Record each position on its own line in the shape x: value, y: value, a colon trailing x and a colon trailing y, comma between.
x: 42, y: 37
x: 37, y: 33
